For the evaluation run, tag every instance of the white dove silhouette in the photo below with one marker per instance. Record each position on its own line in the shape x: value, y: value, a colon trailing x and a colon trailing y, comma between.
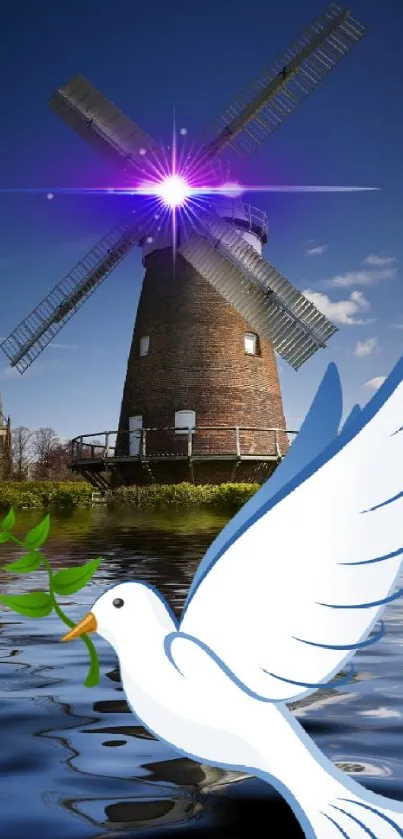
x: 287, y: 592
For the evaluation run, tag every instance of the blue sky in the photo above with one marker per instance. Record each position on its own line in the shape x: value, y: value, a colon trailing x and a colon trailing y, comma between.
x: 346, y: 249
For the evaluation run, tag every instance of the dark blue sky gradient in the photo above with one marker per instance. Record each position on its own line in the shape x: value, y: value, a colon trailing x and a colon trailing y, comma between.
x: 194, y: 57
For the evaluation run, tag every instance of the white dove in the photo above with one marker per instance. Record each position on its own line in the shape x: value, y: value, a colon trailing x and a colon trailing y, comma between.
x: 292, y: 586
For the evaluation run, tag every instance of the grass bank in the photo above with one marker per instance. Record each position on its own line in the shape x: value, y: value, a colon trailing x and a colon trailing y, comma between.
x: 45, y: 495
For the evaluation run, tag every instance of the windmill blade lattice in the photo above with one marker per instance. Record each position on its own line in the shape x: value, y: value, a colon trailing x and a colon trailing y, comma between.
x: 292, y: 323
x: 271, y: 304
x: 280, y: 88
x: 101, y: 123
x: 34, y: 333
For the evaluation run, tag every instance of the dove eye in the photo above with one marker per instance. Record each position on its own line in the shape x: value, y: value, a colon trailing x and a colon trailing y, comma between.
x: 118, y: 602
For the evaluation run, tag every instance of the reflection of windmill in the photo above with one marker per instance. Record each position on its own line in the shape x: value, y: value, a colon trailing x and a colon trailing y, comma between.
x: 202, y: 349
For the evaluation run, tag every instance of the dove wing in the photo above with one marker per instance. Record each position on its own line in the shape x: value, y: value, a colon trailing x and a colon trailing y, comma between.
x: 290, y: 599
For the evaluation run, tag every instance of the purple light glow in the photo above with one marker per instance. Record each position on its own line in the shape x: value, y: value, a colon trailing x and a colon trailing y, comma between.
x: 181, y: 182
x: 231, y: 190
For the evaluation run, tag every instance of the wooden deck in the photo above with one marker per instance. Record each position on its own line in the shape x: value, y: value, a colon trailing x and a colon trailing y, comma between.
x: 163, y: 454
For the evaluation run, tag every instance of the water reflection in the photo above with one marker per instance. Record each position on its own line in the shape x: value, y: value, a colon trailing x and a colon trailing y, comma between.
x: 86, y: 766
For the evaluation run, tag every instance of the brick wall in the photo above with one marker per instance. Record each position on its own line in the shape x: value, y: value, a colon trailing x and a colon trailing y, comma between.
x: 197, y: 361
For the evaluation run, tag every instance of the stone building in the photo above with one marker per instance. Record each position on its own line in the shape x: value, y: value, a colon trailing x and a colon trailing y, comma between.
x: 5, y: 445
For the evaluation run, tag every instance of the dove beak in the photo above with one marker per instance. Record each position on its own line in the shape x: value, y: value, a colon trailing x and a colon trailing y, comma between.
x: 88, y: 624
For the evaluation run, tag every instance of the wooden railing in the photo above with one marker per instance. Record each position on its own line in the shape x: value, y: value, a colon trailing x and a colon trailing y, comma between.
x: 186, y: 442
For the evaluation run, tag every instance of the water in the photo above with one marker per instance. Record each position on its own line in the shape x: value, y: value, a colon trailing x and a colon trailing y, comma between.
x: 75, y: 763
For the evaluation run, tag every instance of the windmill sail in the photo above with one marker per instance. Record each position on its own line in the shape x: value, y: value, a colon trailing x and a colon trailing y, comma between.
x: 34, y: 333
x: 101, y: 123
x: 269, y: 302
x: 282, y: 86
x: 252, y: 285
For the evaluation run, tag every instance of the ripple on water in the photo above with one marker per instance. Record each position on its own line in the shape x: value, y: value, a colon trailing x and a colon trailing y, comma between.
x: 81, y: 762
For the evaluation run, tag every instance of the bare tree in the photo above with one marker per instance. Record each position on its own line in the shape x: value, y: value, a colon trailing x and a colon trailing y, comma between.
x: 52, y: 456
x: 21, y: 438
x: 59, y: 463
x: 45, y: 441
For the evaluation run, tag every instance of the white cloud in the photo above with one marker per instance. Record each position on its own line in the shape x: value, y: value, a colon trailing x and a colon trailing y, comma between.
x: 57, y: 346
x: 374, y: 384
x: 365, y: 278
x: 34, y: 370
x: 9, y: 373
x: 340, y: 311
x: 364, y: 348
x: 316, y: 251
x: 372, y: 259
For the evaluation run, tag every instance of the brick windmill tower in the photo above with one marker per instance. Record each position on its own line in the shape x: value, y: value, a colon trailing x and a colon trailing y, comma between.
x: 201, y: 398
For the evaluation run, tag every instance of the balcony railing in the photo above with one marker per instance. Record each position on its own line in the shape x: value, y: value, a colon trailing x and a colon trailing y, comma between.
x: 199, y: 442
x: 237, y: 210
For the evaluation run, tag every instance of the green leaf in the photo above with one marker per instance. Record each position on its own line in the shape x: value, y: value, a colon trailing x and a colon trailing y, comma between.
x: 26, y: 564
x: 38, y: 535
x: 72, y: 579
x: 36, y: 604
x: 4, y: 537
x: 9, y: 521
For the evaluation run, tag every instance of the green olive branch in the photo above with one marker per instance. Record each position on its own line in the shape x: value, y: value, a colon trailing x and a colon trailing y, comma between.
x: 67, y: 581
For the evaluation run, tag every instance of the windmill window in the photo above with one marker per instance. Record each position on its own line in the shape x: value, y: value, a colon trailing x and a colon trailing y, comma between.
x: 135, y: 434
x: 184, y: 420
x: 144, y: 345
x: 251, y: 343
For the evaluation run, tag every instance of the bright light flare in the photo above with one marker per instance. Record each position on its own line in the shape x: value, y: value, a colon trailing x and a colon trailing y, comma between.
x: 173, y: 190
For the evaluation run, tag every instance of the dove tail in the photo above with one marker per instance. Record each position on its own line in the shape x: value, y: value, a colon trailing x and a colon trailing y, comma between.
x: 344, y: 814
x: 328, y: 803
x: 352, y: 817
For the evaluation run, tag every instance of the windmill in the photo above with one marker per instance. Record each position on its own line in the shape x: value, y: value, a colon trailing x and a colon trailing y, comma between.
x: 201, y: 389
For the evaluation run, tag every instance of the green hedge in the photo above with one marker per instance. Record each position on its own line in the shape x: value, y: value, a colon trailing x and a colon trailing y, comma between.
x: 222, y: 496
x: 44, y: 494
x: 70, y: 494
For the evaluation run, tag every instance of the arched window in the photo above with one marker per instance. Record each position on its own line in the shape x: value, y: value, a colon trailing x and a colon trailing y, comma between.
x: 184, y: 420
